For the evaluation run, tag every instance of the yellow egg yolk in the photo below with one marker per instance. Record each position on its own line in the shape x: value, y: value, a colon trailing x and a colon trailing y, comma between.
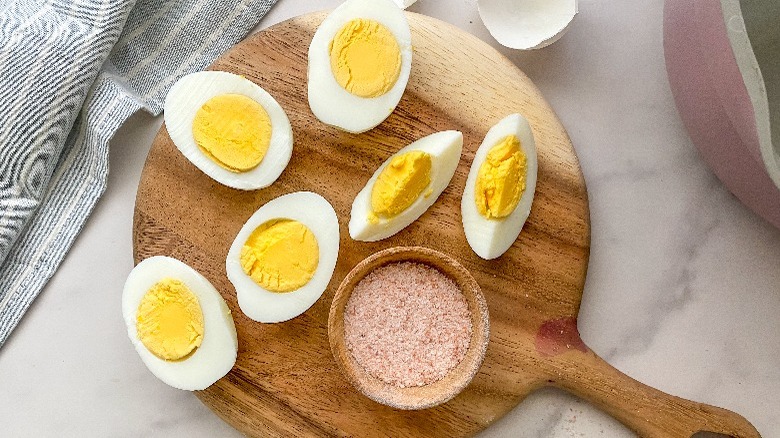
x: 365, y: 58
x: 169, y: 320
x: 400, y: 183
x: 233, y: 130
x: 501, y: 179
x: 281, y: 255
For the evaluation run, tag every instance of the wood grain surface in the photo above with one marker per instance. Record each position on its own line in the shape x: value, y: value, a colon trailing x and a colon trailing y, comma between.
x: 285, y: 381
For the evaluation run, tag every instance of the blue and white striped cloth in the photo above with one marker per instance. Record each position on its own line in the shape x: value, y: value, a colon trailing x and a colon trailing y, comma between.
x: 71, y: 72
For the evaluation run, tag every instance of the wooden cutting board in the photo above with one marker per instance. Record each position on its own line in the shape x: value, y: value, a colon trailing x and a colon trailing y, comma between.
x: 285, y: 382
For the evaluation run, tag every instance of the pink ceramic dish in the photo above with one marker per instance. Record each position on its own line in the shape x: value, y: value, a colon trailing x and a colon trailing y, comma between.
x: 728, y: 121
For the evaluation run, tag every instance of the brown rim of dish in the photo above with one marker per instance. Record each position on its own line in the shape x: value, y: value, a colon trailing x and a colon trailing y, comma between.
x: 420, y: 397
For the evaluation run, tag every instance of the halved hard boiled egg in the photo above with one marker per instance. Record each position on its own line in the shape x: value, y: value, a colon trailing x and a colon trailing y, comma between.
x: 284, y: 256
x: 229, y: 128
x: 178, y: 323
x: 500, y: 187
x: 405, y: 186
x: 359, y: 64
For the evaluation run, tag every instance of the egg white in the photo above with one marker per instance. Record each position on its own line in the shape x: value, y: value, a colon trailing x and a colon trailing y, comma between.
x: 189, y: 94
x: 318, y: 215
x: 490, y: 238
x: 329, y: 101
x: 217, y: 352
x: 445, y: 148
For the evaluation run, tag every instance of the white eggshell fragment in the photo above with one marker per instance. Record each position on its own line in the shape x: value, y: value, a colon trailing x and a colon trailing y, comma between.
x: 316, y: 213
x: 217, y: 352
x: 403, y: 4
x: 445, y: 148
x: 490, y: 238
x: 527, y: 24
x: 329, y: 101
x: 189, y: 94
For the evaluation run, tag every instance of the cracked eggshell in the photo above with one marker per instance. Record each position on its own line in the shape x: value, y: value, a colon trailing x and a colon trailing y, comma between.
x: 403, y: 4
x: 527, y: 24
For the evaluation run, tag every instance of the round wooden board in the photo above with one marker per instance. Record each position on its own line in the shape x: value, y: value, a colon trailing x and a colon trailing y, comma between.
x: 285, y: 382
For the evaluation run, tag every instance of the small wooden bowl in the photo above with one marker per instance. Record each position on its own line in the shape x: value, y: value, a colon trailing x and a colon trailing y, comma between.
x: 421, y: 397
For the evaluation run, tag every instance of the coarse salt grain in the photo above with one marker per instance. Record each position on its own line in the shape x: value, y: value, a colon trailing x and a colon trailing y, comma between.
x: 407, y: 324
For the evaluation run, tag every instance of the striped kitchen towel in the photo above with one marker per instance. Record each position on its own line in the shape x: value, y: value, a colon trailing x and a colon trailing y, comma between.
x: 71, y: 72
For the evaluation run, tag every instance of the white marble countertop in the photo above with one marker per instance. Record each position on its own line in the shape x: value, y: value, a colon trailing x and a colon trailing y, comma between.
x: 683, y: 290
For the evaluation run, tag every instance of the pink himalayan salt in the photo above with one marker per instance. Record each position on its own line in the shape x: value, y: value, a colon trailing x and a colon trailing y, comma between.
x: 407, y: 324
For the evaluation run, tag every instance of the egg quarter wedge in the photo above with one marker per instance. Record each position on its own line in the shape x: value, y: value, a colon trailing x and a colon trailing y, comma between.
x: 189, y: 94
x: 331, y: 103
x: 445, y: 149
x: 490, y: 238
x: 216, y: 354
x: 315, y: 213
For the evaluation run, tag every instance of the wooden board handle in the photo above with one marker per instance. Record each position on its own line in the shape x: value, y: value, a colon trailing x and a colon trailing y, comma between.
x: 649, y: 412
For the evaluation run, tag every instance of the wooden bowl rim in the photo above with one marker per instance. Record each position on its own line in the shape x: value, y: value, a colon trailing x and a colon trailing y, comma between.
x: 421, y: 397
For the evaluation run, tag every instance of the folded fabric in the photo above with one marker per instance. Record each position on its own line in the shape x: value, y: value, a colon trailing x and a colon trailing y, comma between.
x: 71, y: 72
